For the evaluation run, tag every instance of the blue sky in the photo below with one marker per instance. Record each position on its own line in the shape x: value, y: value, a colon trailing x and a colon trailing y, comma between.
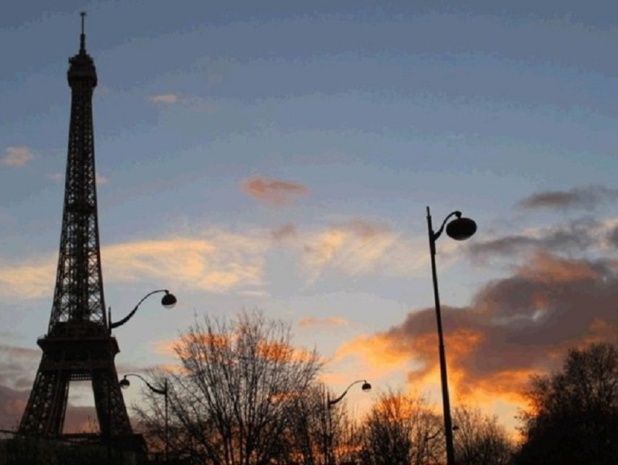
x: 280, y: 156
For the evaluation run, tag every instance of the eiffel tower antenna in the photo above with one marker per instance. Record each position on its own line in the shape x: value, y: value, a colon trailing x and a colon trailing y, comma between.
x: 82, y: 36
x: 78, y: 345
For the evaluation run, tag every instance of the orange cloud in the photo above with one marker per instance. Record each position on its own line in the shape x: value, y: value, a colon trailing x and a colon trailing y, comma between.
x: 516, y: 326
x: 272, y: 191
x: 328, y: 322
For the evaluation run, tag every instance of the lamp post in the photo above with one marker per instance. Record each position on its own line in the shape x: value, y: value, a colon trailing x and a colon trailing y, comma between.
x: 168, y: 301
x: 459, y: 229
x: 125, y: 383
x: 329, y: 404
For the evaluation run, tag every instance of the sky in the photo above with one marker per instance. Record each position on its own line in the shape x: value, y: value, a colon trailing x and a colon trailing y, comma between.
x: 281, y: 155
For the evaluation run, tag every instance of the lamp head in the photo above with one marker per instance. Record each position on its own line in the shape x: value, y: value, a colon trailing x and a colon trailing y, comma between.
x: 366, y: 386
x: 168, y: 300
x: 124, y: 383
x: 461, y: 228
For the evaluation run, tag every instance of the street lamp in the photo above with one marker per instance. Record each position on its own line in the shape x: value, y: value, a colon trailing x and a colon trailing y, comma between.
x: 125, y: 383
x: 459, y: 229
x: 168, y: 301
x: 366, y: 387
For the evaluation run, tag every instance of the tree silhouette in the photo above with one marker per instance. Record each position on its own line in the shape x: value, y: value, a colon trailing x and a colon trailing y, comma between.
x: 401, y: 430
x: 479, y: 439
x: 222, y: 405
x: 573, y: 417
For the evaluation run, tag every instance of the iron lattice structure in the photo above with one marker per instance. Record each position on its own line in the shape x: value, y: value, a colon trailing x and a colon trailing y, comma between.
x: 78, y: 345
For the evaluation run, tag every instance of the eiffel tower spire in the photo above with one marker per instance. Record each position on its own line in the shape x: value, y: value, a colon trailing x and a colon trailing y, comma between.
x: 78, y: 344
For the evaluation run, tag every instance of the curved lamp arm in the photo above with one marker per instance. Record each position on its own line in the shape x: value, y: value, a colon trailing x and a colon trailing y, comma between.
x: 366, y: 387
x: 124, y: 383
x: 168, y: 301
x: 438, y: 233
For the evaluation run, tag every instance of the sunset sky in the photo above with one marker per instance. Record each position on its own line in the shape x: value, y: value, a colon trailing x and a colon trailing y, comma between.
x: 280, y: 155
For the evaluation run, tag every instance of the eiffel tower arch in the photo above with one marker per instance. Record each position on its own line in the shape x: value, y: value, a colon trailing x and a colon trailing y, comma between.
x: 78, y: 345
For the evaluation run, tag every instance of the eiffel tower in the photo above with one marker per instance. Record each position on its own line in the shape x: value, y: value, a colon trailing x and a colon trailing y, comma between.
x: 78, y: 345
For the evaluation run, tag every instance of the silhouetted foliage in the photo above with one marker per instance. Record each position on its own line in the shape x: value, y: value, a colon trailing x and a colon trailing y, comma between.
x: 479, y: 439
x: 574, y: 413
x: 225, y: 405
x: 401, y: 430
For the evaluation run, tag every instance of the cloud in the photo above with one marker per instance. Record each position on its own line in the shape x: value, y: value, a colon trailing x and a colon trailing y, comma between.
x: 27, y: 279
x: 515, y: 326
x: 17, y: 156
x: 219, y: 262
x: 12, y: 404
x: 213, y: 261
x: 56, y: 176
x: 100, y: 180
x: 79, y: 419
x: 359, y: 247
x: 579, y: 197
x: 18, y: 366
x: 165, y: 99
x: 195, y: 103
x: 284, y: 232
x: 272, y: 191
x: 327, y: 322
x: 576, y: 236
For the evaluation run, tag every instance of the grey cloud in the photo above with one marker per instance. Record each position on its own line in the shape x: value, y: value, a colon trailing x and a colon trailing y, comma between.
x: 576, y: 236
x: 518, y: 324
x: 579, y: 197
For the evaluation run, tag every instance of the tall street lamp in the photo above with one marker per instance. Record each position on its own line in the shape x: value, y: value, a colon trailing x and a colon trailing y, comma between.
x: 329, y: 404
x: 459, y: 229
x: 168, y: 301
x: 125, y: 383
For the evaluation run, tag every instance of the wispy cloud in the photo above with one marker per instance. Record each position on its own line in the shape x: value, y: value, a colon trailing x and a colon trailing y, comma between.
x: 327, y: 322
x: 27, y: 279
x: 360, y: 247
x: 575, y: 236
x: 273, y: 191
x: 216, y: 261
x: 195, y: 103
x: 579, y: 197
x: 17, y: 156
x: 58, y: 177
x: 219, y: 261
x: 100, y: 179
x: 165, y: 99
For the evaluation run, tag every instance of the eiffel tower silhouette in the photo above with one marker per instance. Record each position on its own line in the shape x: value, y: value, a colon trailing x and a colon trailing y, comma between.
x: 78, y: 345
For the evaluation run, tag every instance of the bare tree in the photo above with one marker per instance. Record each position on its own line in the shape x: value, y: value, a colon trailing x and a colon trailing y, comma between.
x: 401, y: 430
x: 307, y: 417
x: 222, y: 408
x: 479, y: 439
